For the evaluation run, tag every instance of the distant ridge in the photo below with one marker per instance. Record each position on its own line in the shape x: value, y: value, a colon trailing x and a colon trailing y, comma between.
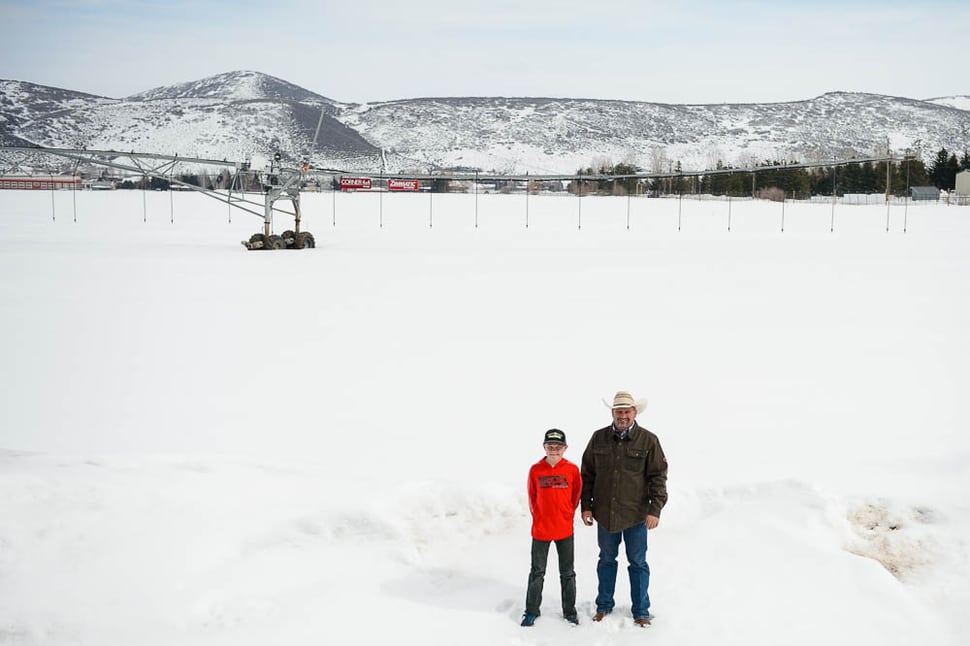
x: 247, y: 114
x: 243, y: 85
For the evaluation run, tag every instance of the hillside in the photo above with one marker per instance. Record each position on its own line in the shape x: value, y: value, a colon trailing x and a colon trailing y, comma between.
x: 247, y: 114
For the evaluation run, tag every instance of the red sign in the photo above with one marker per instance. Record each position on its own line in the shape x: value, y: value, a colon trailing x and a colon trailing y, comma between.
x: 402, y: 184
x: 354, y: 183
x: 40, y: 183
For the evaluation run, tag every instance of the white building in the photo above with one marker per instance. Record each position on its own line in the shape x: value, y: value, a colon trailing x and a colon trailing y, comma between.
x: 963, y: 183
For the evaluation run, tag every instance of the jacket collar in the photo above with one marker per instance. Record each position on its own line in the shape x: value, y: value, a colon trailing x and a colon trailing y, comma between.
x: 631, y: 433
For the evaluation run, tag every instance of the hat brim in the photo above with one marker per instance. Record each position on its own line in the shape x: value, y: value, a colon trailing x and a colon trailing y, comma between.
x: 639, y: 404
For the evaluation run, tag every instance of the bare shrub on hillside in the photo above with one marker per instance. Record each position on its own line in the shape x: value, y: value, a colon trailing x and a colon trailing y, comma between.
x: 772, y: 193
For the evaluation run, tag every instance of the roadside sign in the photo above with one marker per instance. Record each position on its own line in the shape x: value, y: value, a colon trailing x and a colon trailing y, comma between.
x: 355, y: 183
x: 403, y: 184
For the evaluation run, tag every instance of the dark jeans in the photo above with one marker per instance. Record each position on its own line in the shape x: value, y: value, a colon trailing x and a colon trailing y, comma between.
x: 635, y: 539
x: 537, y: 575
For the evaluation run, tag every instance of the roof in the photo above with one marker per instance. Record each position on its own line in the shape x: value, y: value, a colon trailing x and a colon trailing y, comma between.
x: 925, y: 192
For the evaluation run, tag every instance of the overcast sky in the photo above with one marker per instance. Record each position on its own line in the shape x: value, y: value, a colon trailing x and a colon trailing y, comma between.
x: 706, y: 51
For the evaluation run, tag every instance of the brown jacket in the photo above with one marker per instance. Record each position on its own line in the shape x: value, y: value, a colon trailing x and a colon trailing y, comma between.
x: 624, y: 481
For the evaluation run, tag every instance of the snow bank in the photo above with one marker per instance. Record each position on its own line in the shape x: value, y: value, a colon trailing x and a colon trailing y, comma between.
x: 204, y: 445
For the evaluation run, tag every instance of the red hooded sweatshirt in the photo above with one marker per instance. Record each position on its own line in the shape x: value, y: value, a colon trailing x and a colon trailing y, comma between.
x: 553, y: 497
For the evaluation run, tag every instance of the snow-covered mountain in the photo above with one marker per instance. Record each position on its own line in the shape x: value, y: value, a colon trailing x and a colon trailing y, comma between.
x: 234, y: 116
x: 959, y: 102
x: 245, y: 114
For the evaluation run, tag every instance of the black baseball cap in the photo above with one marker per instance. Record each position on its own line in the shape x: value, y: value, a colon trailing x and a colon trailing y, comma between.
x: 554, y: 436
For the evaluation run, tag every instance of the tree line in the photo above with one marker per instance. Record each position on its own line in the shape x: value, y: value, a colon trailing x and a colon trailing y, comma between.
x: 779, y: 180
x: 772, y: 180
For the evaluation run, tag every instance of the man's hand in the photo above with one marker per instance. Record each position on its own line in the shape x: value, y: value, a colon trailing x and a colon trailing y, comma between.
x: 652, y: 522
x: 587, y: 518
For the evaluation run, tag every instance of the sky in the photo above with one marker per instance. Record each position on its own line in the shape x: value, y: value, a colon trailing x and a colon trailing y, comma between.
x: 202, y: 445
x: 669, y: 52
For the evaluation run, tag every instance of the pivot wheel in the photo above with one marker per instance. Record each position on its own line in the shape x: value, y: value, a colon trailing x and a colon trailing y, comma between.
x: 304, y: 240
x: 274, y: 242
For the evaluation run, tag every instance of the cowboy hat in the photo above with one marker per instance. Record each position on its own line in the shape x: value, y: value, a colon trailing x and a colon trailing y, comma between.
x: 623, y: 399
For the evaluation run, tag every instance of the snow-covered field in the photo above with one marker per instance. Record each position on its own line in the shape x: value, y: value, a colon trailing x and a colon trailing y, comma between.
x: 204, y: 445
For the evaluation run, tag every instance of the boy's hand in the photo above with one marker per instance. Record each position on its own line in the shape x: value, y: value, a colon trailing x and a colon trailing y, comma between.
x: 587, y: 518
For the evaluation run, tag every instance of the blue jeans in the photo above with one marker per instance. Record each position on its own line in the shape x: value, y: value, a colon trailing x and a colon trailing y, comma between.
x: 635, y: 539
x: 537, y: 575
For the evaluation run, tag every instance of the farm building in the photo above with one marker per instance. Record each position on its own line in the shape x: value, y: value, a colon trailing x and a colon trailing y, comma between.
x: 39, y: 182
x: 925, y: 193
x: 963, y: 183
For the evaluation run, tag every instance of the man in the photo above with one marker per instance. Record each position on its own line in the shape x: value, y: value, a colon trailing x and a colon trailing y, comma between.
x: 624, y: 474
x: 553, y: 487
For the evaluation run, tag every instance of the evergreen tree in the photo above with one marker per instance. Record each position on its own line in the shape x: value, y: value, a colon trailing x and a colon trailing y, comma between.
x: 938, y: 169
x: 821, y: 181
x: 729, y: 184
x: 793, y: 182
x: 870, y: 180
x: 678, y: 184
x: 879, y: 173
x: 850, y: 180
x: 950, y: 176
x: 911, y: 172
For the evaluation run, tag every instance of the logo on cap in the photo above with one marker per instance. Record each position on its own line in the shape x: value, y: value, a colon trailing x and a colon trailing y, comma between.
x: 554, y: 436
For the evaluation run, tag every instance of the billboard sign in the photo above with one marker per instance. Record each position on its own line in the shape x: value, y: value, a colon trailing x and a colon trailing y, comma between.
x: 355, y: 183
x: 403, y: 184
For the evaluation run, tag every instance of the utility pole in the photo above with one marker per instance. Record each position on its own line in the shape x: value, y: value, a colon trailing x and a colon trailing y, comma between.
x: 889, y: 171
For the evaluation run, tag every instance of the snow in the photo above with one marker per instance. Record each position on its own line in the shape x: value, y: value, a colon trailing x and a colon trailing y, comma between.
x: 959, y: 102
x: 204, y: 445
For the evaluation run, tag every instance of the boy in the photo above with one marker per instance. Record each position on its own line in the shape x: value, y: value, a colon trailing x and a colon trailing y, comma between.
x: 554, y: 489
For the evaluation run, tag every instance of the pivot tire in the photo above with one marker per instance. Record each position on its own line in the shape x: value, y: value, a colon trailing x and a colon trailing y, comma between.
x: 304, y: 240
x: 274, y: 242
